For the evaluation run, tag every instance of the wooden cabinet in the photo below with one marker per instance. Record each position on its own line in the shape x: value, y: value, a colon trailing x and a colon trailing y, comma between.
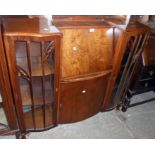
x: 33, y: 62
x: 86, y: 62
x: 61, y: 73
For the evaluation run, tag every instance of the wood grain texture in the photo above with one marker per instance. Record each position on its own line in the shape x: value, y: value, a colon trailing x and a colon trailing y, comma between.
x: 81, y: 99
x: 29, y: 27
x: 85, y: 52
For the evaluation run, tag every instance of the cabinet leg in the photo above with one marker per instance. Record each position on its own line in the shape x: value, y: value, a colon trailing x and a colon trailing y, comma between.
x: 23, y: 136
x: 20, y: 135
x: 126, y: 104
x: 17, y: 135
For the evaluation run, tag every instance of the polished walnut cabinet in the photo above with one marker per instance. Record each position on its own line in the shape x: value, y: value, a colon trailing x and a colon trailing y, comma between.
x: 64, y: 71
x: 33, y: 63
x: 87, y: 52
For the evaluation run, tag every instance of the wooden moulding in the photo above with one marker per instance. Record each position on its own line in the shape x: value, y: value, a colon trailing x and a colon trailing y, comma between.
x: 85, y: 77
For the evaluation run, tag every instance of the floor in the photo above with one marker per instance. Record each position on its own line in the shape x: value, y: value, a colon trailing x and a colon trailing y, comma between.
x: 137, y: 122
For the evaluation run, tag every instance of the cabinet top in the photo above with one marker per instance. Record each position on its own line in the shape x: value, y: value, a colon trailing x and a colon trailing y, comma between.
x: 122, y: 22
x: 72, y: 21
x: 41, y: 27
x: 29, y: 27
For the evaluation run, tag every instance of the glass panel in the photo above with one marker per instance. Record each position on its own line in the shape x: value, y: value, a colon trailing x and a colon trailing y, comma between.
x: 3, y: 120
x: 35, y: 64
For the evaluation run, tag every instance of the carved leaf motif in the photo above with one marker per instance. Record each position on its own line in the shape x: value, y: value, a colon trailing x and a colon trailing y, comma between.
x: 23, y: 73
x: 49, y: 50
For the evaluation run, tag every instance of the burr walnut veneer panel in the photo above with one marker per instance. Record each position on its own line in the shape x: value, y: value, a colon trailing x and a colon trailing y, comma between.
x: 86, y: 50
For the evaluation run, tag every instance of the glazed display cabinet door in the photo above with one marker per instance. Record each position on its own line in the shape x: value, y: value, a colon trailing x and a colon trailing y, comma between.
x: 32, y: 67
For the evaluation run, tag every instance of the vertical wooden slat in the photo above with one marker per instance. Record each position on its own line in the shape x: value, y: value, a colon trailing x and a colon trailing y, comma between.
x: 57, y: 55
x: 31, y: 82
x: 43, y: 82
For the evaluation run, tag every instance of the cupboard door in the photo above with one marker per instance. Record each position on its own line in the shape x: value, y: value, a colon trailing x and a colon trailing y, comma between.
x: 86, y: 51
x: 81, y: 98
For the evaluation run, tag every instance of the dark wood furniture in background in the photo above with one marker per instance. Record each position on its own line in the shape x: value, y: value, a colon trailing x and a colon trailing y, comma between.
x: 65, y: 72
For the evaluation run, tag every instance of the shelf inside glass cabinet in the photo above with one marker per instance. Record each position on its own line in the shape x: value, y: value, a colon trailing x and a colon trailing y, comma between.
x: 39, y: 120
x: 37, y: 70
x: 34, y: 62
x: 38, y: 93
